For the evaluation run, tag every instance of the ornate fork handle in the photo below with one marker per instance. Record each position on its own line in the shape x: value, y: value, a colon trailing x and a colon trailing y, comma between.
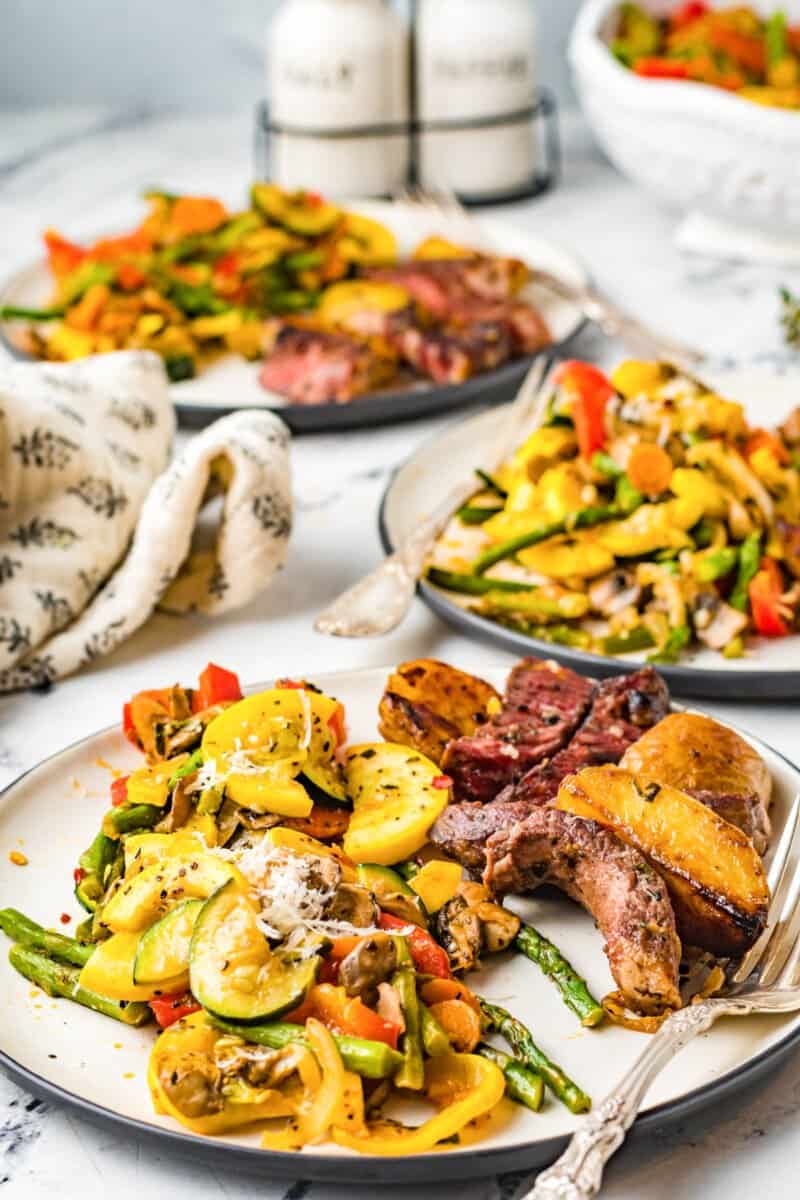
x: 578, y: 1173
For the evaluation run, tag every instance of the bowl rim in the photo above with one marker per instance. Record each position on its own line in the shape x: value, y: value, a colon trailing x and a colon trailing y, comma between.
x: 593, y: 62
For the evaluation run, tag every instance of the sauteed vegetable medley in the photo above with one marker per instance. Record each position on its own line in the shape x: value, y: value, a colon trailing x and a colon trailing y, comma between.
x: 268, y: 895
x: 645, y: 514
x: 732, y: 48
x: 195, y: 278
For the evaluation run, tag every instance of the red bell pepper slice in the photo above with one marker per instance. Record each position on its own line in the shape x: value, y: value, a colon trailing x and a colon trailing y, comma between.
x: 63, y: 256
x: 661, y: 68
x: 766, y: 589
x: 119, y: 790
x: 686, y: 14
x: 216, y: 687
x: 429, y: 957
x: 169, y: 1009
x: 590, y: 391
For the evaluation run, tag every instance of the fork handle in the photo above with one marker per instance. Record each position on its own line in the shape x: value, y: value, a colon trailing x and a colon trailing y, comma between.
x: 615, y: 322
x: 578, y: 1173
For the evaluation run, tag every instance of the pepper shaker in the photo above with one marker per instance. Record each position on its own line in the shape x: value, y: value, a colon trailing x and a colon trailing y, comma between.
x: 334, y: 65
x: 476, y: 60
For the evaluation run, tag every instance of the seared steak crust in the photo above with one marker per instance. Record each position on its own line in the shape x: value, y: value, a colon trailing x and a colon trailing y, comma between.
x: 544, y: 704
x: 622, y: 709
x: 463, y: 830
x: 613, y: 882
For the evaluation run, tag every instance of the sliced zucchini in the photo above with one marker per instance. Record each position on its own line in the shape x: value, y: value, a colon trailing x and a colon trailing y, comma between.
x: 269, y: 733
x: 392, y: 893
x: 303, y: 213
x: 366, y: 242
x: 138, y: 904
x: 163, y: 949
x: 234, y: 973
x: 110, y: 971
x: 397, y: 795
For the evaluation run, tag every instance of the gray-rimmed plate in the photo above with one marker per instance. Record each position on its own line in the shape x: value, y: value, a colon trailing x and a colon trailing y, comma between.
x: 74, y: 1056
x: 231, y: 383
x: 770, y: 669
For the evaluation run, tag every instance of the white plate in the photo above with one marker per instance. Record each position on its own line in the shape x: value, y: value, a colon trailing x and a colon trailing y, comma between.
x: 73, y: 1055
x: 771, y: 670
x: 232, y: 382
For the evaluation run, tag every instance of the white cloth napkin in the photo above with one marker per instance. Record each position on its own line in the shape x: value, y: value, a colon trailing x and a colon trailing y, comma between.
x: 95, y: 532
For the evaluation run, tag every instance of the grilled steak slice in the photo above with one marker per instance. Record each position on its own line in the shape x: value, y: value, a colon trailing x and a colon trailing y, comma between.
x: 310, y: 366
x: 544, y: 704
x: 463, y: 830
x: 625, y: 896
x: 623, y: 708
x: 453, y: 355
x: 469, y: 292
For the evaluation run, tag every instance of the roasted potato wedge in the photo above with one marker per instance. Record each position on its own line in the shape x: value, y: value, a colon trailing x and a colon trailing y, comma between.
x: 710, y: 762
x: 428, y: 703
x: 715, y: 878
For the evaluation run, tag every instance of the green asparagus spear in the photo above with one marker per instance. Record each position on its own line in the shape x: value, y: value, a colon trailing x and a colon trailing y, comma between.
x: 434, y: 1038
x: 93, y: 864
x: 137, y: 816
x: 716, y: 564
x: 475, y: 585
x: 522, y: 1084
x: 549, y: 958
x: 372, y: 1060
x: 12, y: 312
x: 192, y: 764
x: 749, y: 560
x: 476, y: 514
x: 35, y: 937
x: 58, y: 979
x: 540, y: 533
x: 411, y: 1073
x: 491, y: 483
x: 638, y: 638
x: 521, y: 1041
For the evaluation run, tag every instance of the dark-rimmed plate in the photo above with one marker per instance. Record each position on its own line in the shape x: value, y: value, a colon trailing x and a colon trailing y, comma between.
x: 231, y: 383
x: 73, y: 1056
x: 769, y: 671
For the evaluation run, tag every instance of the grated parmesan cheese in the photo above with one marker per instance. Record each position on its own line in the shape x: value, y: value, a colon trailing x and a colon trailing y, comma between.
x: 292, y: 890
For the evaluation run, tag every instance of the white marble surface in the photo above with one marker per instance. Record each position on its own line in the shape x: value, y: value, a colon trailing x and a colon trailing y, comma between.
x: 81, y: 169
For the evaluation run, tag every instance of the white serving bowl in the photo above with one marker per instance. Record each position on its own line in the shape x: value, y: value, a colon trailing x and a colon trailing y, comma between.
x: 697, y: 147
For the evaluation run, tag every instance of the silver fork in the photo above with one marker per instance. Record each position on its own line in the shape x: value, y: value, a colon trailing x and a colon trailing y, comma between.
x: 379, y: 602
x: 766, y: 979
x: 612, y: 319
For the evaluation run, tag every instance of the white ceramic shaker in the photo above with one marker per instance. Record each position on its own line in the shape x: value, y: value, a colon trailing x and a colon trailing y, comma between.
x: 332, y: 65
x: 476, y: 59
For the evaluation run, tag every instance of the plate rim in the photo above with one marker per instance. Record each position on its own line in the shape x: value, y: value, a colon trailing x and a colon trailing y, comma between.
x: 368, y: 1168
x: 706, y: 683
x: 371, y: 410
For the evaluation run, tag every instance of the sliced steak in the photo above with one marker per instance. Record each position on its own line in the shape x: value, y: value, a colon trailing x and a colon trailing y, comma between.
x: 454, y: 355
x: 623, y: 708
x: 463, y: 830
x: 627, y: 899
x: 468, y: 293
x: 310, y: 366
x: 543, y: 705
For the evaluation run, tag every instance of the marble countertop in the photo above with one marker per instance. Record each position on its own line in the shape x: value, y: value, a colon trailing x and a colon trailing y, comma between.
x: 82, y: 169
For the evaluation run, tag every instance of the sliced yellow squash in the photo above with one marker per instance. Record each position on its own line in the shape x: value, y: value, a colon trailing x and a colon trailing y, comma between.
x: 397, y: 795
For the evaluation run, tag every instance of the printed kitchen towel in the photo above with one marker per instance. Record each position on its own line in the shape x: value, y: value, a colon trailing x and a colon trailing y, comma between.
x: 97, y: 530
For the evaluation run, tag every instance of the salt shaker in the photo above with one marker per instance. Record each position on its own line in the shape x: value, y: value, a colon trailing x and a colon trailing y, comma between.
x: 333, y: 65
x: 475, y: 59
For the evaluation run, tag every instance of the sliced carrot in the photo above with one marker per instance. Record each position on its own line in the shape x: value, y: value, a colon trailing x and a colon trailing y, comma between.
x: 435, y: 991
x: 460, y: 1022
x: 649, y: 468
x: 324, y: 824
x: 196, y: 214
x: 85, y: 313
